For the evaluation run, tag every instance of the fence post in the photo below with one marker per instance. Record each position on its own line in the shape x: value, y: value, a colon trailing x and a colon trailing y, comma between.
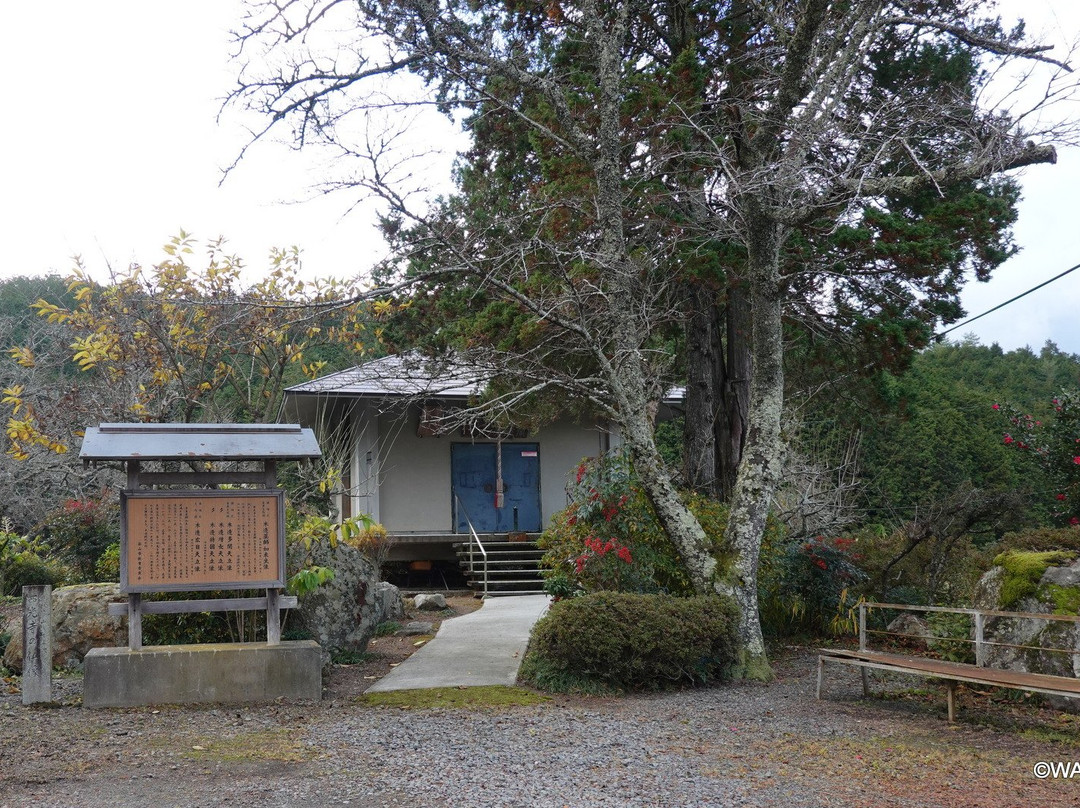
x: 862, y: 626
x: 37, y: 644
x: 980, y: 647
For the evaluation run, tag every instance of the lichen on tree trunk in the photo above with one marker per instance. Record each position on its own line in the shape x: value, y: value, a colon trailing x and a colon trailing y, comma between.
x: 763, y: 453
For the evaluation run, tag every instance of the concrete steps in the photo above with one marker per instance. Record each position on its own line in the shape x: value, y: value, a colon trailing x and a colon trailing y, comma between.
x: 513, y: 567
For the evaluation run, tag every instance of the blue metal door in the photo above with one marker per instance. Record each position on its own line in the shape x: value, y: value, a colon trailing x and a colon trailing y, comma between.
x: 473, y: 468
x: 521, y: 487
x: 472, y: 471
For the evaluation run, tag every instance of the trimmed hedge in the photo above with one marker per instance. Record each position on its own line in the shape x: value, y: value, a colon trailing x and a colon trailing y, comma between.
x: 623, y: 641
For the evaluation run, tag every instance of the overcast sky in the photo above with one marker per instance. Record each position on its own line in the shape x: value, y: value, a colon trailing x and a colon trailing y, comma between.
x: 110, y: 145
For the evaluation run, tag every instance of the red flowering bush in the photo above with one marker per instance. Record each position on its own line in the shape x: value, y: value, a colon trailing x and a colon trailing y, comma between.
x: 609, y: 538
x: 1054, y: 445
x: 602, y: 564
x: 811, y: 586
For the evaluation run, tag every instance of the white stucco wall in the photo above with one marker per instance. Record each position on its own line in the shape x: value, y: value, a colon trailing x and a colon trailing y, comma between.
x: 414, y: 478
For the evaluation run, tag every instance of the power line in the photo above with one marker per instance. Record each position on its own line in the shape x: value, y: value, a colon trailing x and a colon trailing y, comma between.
x: 941, y: 334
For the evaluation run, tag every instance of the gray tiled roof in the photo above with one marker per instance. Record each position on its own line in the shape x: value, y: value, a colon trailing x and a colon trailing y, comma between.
x: 399, y: 375
x: 198, y: 442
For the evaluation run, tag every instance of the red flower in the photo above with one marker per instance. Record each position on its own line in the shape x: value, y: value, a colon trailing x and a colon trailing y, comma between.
x: 624, y: 554
x: 1076, y: 460
x: 1008, y: 439
x: 1061, y: 496
x: 1074, y: 521
x: 996, y: 407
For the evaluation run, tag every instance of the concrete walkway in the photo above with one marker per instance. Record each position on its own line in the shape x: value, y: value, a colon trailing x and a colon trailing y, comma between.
x: 484, y: 647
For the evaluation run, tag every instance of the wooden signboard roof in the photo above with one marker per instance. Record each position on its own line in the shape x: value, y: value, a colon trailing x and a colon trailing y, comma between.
x: 199, y: 442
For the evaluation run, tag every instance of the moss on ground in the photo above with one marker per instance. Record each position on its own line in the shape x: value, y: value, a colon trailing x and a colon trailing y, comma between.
x: 451, y: 697
x: 753, y: 668
x: 252, y: 747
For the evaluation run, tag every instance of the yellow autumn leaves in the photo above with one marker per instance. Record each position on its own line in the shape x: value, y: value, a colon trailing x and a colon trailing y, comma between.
x: 179, y: 340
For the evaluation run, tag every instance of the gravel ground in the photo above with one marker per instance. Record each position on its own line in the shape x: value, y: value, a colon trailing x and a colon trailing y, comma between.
x: 733, y: 745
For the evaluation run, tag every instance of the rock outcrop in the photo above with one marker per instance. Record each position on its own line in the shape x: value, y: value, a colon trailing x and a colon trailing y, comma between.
x: 388, y: 602
x: 342, y: 614
x: 911, y: 628
x: 1046, y: 585
x: 81, y: 621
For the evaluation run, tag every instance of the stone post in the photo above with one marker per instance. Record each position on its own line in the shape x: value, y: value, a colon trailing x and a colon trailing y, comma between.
x: 37, y: 644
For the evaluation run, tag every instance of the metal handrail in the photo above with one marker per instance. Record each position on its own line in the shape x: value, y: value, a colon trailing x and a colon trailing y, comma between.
x: 473, y: 538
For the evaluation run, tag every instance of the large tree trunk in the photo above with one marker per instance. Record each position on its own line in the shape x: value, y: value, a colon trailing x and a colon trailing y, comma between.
x: 717, y: 388
x: 763, y: 451
x: 700, y: 461
x: 733, y: 386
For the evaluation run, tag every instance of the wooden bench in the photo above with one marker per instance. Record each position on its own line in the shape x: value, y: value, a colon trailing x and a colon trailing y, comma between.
x: 952, y: 672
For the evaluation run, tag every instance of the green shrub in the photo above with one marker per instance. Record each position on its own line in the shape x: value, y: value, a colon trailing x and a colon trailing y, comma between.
x: 387, y: 628
x: 108, y: 565
x: 27, y: 568
x: 951, y: 636
x: 1041, y: 539
x: 809, y: 586
x: 81, y: 530
x: 942, y: 568
x: 623, y: 641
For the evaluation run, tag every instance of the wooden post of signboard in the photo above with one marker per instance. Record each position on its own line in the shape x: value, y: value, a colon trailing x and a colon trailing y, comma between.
x: 134, y: 617
x: 273, y: 616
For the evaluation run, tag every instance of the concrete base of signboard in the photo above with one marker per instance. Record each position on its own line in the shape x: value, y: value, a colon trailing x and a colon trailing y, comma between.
x: 192, y: 674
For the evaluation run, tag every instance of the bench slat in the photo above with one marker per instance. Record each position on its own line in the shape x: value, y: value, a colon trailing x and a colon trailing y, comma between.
x: 1038, y: 682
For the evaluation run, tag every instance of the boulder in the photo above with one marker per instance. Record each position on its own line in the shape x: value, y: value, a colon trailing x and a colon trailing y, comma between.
x: 1057, y: 585
x: 429, y: 602
x: 388, y: 602
x: 81, y: 621
x: 914, y: 629
x: 417, y: 628
x: 1068, y: 575
x: 342, y: 614
x: 987, y: 593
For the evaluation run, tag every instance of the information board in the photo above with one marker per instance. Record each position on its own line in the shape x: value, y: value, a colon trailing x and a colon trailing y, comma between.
x: 195, y: 540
